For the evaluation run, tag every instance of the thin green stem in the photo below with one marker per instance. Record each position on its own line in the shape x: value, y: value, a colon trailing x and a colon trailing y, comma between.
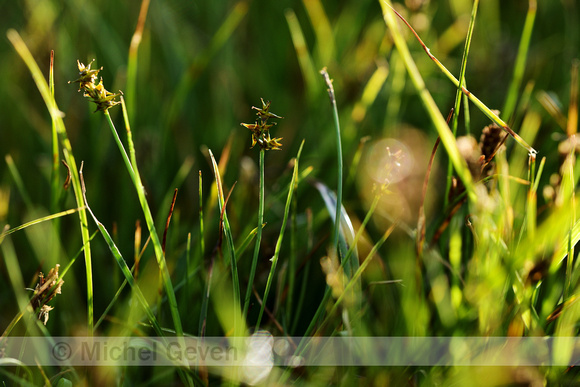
x: 56, y: 116
x: 201, y: 234
x: 230, y: 240
x: 54, y: 181
x: 420, y: 85
x: 258, y: 237
x: 441, y: 126
x: 280, y: 237
x: 291, y: 262
x: 133, y: 172
x: 335, y: 239
x: 520, y: 65
x: 458, y: 95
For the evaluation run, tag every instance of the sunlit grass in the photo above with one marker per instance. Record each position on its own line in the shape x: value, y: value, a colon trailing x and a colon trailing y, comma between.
x: 393, y: 243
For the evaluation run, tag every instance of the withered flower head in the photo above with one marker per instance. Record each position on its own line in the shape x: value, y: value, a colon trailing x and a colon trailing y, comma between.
x: 44, y: 292
x: 261, y: 129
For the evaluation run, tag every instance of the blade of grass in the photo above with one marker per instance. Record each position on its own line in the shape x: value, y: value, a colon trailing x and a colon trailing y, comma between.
x: 572, y: 126
x: 187, y: 288
x: 39, y: 220
x: 56, y: 116
x: 177, y: 182
x: 245, y: 243
x: 186, y: 378
x: 258, y: 237
x: 157, y: 246
x: 459, y: 94
x: 54, y: 180
x: 321, y: 25
x: 276, y: 256
x: 421, y: 226
x: 133, y: 59
x: 201, y: 233
x: 292, y: 258
x: 205, y: 301
x: 16, y: 280
x: 344, y: 224
x: 443, y: 130
x: 230, y: 240
x: 304, y: 59
x: 552, y: 105
x: 123, y: 265
x: 520, y: 65
x: 421, y: 223
x: 328, y: 81
x: 17, y: 178
x: 419, y: 84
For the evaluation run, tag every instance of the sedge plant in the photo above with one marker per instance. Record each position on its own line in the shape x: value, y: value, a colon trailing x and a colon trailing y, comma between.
x: 260, y: 135
x: 104, y: 100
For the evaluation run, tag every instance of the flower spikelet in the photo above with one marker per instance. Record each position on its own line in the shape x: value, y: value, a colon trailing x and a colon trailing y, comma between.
x: 96, y: 92
x: 261, y: 128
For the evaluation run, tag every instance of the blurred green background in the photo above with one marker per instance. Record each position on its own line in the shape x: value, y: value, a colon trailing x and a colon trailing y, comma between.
x: 200, y: 66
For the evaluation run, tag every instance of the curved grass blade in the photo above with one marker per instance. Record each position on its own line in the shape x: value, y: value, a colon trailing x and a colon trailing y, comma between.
x: 443, y: 130
x: 345, y: 226
x: 157, y: 246
x: 39, y: 220
x: 229, y: 237
x: 56, y: 116
x: 413, y: 72
x: 123, y: 266
x: 458, y: 95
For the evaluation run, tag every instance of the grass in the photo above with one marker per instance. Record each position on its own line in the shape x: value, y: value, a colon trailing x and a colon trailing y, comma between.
x: 476, y: 237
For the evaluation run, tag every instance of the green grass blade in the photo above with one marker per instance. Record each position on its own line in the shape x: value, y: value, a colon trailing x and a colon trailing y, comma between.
x: 304, y: 59
x: 135, y: 177
x: 126, y: 272
x: 328, y: 81
x: 258, y: 237
x: 56, y: 116
x: 16, y: 280
x: 54, y: 180
x: 17, y: 178
x: 201, y: 234
x: 246, y: 242
x: 388, y: 11
x: 344, y: 225
x: 39, y: 220
x: 520, y: 65
x: 292, y: 258
x: 325, y: 46
x: 436, y: 117
x: 276, y: 256
x: 133, y: 59
x: 459, y: 94
x: 229, y: 237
